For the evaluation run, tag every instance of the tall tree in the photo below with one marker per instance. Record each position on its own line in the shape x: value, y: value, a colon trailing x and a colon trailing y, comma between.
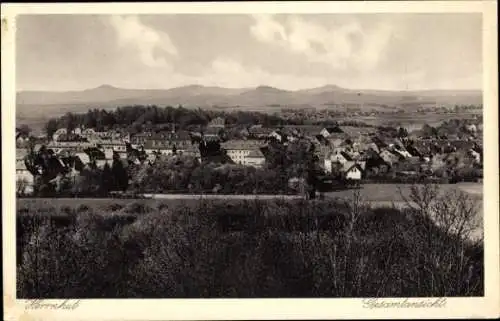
x: 70, y: 121
x: 24, y: 130
x: 402, y: 132
x: 120, y: 174
x: 107, y: 179
x: 51, y: 127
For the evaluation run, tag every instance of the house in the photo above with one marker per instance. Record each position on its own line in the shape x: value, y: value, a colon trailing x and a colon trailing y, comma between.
x: 77, y: 131
x: 83, y: 156
x: 328, y: 131
x: 112, y: 145
x: 193, y: 151
x: 300, y: 131
x: 379, y: 142
x: 22, y: 141
x: 476, y: 156
x: 409, y: 165
x: 322, y: 151
x: 318, y: 140
x: 25, y: 181
x: 372, y: 146
x: 337, y: 158
x: 345, y: 166
x: 180, y: 135
x: 71, y: 137
x: 140, y: 138
x: 390, y: 157
x: 217, y: 122
x: 255, y: 158
x: 238, y: 150
x: 401, y: 151
x: 354, y: 172
x: 58, y: 146
x: 91, y: 134
x: 21, y: 153
x: 88, y: 132
x: 212, y: 133
x: 278, y: 135
x: 340, y: 155
x: 94, y: 153
x: 169, y: 147
x: 290, y: 133
x: 374, y: 163
x: 71, y: 161
x: 471, y: 128
x: 355, y: 132
x: 259, y: 132
x: 413, y: 150
x: 58, y: 133
x: 100, y: 163
x: 243, y: 132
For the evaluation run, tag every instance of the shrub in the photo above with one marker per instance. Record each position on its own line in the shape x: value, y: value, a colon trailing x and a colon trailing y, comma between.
x: 248, y: 249
x: 137, y: 208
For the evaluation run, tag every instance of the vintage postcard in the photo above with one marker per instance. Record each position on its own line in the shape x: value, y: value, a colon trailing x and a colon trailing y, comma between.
x: 237, y: 160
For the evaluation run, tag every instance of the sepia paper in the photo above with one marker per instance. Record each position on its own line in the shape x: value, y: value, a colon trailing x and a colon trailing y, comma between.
x: 235, y: 309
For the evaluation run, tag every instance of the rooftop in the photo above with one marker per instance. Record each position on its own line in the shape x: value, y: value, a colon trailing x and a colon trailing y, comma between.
x: 352, y: 130
x: 21, y: 153
x: 167, y: 144
x: 20, y: 165
x: 256, y: 153
x: 241, y: 144
x: 260, y: 130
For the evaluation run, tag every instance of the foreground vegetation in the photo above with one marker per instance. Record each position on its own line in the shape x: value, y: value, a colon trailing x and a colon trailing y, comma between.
x: 246, y: 249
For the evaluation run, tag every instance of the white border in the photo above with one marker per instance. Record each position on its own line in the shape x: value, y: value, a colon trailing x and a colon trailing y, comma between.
x: 203, y: 309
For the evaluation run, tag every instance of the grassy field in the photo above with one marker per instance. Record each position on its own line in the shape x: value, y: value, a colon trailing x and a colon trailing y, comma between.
x: 369, y: 192
x: 395, y: 192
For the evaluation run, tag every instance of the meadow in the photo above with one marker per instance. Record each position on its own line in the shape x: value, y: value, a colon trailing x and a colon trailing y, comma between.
x: 244, y: 249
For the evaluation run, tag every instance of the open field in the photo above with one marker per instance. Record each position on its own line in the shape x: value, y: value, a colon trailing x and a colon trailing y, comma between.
x: 412, y: 121
x: 376, y: 193
x: 394, y: 192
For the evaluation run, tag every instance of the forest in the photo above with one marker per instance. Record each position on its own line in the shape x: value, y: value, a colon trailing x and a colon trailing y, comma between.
x: 250, y: 249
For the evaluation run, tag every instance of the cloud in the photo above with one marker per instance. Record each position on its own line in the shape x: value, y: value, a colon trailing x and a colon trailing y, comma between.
x: 226, y: 72
x: 343, y: 47
x: 151, y: 45
x: 266, y: 29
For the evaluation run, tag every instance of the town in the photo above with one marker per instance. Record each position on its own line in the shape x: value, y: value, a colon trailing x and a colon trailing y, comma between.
x: 276, y: 154
x: 306, y: 156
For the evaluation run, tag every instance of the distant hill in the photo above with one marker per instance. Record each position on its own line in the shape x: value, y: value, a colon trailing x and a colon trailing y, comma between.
x: 31, y: 103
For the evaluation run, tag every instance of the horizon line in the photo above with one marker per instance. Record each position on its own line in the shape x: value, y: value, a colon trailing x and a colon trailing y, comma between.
x: 250, y: 88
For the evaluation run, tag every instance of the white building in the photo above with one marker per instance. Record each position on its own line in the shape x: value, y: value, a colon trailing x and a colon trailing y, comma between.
x: 354, y: 172
x: 279, y: 136
x: 471, y: 128
x: 58, y: 147
x: 239, y: 150
x: 84, y: 157
x: 255, y: 158
x: 24, y: 179
x: 475, y: 155
x: 58, y: 133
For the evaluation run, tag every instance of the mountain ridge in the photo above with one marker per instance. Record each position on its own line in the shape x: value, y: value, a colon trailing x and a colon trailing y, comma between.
x: 263, y: 96
x: 326, y: 87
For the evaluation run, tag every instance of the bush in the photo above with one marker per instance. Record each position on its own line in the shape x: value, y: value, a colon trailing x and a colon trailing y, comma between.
x: 250, y: 249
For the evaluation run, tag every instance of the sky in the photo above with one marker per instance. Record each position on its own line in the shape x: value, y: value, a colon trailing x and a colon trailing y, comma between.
x: 391, y: 51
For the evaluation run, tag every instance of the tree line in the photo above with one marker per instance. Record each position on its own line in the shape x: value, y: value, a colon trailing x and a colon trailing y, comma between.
x: 140, y: 118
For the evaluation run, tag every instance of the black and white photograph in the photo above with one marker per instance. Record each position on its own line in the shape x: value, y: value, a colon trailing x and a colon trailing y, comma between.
x: 246, y: 155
